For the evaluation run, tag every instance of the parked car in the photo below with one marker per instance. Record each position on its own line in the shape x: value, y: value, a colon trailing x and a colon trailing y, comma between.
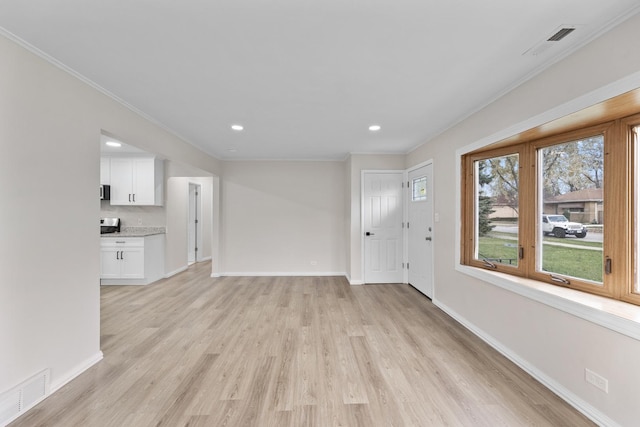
x: 560, y: 226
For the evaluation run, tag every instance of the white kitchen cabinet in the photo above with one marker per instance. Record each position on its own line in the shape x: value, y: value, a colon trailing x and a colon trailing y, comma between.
x: 122, y: 263
x: 122, y: 258
x: 136, y: 181
x: 105, y: 171
x: 131, y: 260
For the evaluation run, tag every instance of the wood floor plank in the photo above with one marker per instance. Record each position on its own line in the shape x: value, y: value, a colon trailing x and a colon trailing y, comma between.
x: 291, y: 351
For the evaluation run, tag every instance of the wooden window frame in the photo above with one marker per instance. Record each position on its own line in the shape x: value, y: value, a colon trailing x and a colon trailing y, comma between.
x: 621, y: 244
x: 607, y: 288
x: 470, y: 191
x: 628, y: 292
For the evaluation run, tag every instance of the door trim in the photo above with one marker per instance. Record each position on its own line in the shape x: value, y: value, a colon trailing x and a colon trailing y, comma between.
x: 363, y: 172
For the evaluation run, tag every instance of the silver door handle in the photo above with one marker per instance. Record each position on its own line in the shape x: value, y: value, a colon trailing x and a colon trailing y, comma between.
x: 427, y: 238
x: 369, y: 234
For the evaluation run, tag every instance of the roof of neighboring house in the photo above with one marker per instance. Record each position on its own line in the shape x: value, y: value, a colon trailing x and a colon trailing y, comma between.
x: 501, y: 200
x: 586, y: 195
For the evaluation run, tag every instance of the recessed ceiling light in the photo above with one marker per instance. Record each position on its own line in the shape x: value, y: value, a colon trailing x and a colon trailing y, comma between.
x: 113, y: 144
x: 374, y: 128
x: 237, y: 127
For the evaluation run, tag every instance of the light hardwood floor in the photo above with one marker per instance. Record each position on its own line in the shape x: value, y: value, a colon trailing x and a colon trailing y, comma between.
x: 305, y: 351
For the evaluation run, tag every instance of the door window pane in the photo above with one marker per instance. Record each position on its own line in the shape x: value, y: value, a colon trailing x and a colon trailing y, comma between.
x: 496, y: 207
x: 571, y: 195
x: 419, y: 189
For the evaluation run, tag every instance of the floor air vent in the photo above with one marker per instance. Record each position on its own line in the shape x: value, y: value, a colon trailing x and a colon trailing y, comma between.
x: 23, y: 397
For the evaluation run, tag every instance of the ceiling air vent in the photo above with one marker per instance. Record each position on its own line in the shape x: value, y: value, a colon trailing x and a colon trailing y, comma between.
x: 559, y: 34
x: 562, y: 33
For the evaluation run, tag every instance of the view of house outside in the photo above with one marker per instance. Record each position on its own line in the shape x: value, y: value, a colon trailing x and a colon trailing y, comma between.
x: 571, y: 202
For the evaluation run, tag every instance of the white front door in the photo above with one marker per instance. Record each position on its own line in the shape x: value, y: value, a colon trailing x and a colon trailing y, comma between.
x: 382, y: 225
x: 420, y: 229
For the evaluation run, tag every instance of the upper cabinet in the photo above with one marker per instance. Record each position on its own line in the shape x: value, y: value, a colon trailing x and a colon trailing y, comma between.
x: 136, y: 181
x: 105, y: 171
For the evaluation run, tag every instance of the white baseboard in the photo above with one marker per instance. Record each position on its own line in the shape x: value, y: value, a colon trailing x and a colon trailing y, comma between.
x: 174, y: 272
x: 577, y: 402
x: 49, y: 386
x: 77, y: 370
x: 287, y: 273
x: 184, y: 268
x: 17, y: 401
x: 353, y: 282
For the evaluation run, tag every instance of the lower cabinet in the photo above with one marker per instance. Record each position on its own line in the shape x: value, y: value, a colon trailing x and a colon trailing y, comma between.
x: 131, y: 260
x: 122, y: 263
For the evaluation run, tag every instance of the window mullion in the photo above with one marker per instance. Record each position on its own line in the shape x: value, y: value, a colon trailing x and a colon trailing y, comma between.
x: 528, y: 208
x: 618, y: 192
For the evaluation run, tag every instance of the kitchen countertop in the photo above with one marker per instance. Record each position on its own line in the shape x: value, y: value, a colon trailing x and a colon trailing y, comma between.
x: 136, y: 232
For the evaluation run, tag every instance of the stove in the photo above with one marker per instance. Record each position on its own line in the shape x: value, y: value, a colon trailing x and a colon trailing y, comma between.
x: 109, y: 225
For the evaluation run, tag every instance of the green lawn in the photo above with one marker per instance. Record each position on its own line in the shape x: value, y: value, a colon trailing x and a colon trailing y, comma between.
x: 581, y: 263
x: 496, y: 249
x: 573, y: 262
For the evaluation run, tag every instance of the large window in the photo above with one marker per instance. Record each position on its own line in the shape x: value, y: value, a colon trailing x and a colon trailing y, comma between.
x: 570, y: 176
x: 563, y: 208
x: 493, y: 237
x: 496, y: 191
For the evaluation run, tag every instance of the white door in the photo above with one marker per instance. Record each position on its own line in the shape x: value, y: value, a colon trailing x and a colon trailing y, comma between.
x: 382, y: 224
x: 420, y: 229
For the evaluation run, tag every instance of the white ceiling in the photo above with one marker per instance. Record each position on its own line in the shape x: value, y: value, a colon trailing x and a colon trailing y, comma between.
x: 115, y: 151
x: 306, y: 78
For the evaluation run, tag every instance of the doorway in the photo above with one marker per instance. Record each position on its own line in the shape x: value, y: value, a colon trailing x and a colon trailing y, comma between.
x: 194, y: 224
x: 420, y: 229
x: 382, y: 215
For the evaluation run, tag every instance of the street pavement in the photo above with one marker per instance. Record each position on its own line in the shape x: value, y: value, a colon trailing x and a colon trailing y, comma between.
x: 513, y: 229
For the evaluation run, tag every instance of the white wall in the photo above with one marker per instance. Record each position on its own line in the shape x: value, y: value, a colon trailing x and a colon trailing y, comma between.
x: 280, y: 217
x: 177, y: 222
x: 556, y: 345
x: 49, y: 275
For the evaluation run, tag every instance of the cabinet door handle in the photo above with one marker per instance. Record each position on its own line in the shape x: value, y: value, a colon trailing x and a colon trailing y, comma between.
x: 117, y: 254
x: 134, y: 197
x: 129, y: 197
